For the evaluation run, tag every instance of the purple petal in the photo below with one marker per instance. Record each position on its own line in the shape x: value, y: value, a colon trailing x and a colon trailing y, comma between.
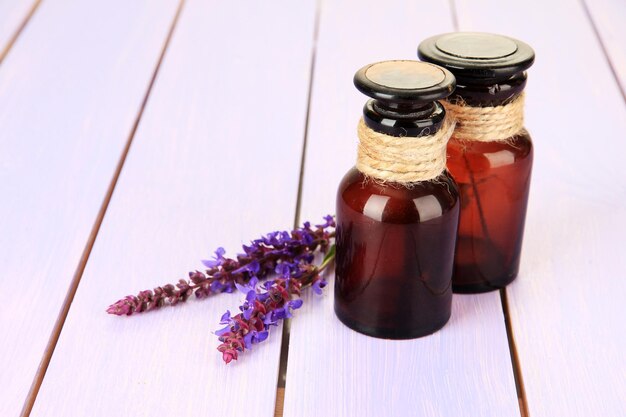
x: 283, y: 269
x: 220, y: 332
x: 242, y: 288
x: 211, y: 263
x: 225, y: 317
x: 252, y: 267
x: 247, y: 340
x: 330, y: 222
x: 280, y: 313
x: 219, y: 258
x: 270, y: 239
x: 318, y: 285
x: 216, y: 286
x: 251, y: 296
x: 275, y: 315
x: 260, y: 336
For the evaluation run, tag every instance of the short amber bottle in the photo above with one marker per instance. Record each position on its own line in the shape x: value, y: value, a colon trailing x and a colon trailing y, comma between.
x: 395, y: 241
x: 493, y: 176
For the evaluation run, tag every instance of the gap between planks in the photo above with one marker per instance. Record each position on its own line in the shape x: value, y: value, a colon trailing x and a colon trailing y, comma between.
x: 58, y: 325
x: 604, y: 49
x: 5, y: 51
x: 515, y: 361
x: 280, y: 402
x: 284, y: 348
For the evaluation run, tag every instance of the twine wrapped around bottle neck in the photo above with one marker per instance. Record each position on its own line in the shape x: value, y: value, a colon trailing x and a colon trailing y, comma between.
x: 487, y: 124
x: 405, y: 159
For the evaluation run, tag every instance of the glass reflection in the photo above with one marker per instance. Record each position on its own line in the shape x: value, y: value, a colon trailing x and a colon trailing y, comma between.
x: 501, y: 158
x: 428, y: 207
x: 375, y: 206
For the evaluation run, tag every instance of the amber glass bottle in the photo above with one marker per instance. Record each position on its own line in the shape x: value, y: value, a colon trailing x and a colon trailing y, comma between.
x: 395, y: 241
x: 493, y: 175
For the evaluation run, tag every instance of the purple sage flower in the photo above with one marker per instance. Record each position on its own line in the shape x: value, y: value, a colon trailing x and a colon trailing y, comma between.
x: 281, y: 251
x: 266, y: 305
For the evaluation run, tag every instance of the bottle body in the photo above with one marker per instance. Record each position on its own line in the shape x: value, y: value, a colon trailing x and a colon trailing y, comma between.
x: 494, y: 181
x: 395, y: 247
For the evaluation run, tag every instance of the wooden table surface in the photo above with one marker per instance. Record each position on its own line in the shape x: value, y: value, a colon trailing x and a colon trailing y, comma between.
x: 137, y: 136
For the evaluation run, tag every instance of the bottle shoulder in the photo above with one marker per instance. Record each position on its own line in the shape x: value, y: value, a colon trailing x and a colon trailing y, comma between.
x: 396, y: 203
x: 513, y: 153
x: 520, y: 146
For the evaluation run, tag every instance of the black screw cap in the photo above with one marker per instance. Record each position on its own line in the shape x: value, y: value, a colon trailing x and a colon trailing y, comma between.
x: 477, y: 55
x: 411, y: 83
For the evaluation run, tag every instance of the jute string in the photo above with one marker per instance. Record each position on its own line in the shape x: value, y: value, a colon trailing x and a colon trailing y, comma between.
x: 486, y: 124
x: 405, y: 159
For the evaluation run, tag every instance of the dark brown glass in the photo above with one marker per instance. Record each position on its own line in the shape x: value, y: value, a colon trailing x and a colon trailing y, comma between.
x: 493, y: 180
x: 395, y: 247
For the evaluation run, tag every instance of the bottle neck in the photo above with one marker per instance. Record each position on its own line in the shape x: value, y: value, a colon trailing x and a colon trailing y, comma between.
x: 488, y: 92
x: 399, y: 120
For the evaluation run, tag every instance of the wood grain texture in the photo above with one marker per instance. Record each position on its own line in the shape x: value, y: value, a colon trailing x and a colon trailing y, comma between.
x: 463, y: 370
x: 609, y: 17
x: 566, y: 306
x: 280, y: 400
x: 215, y: 161
x: 69, y: 93
x: 13, y: 16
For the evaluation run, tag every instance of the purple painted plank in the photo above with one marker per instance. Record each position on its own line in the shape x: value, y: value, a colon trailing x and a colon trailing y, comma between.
x: 215, y: 161
x: 69, y: 93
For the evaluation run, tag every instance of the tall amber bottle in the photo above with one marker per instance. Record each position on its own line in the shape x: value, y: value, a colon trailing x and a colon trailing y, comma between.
x: 490, y: 154
x: 396, y: 236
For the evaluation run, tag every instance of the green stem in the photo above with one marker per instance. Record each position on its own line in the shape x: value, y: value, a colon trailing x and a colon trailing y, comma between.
x: 328, y: 259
